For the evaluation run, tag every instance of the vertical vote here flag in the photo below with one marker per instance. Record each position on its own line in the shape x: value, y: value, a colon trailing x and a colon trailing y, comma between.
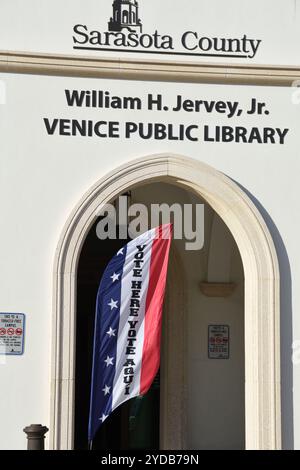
x: 128, y: 323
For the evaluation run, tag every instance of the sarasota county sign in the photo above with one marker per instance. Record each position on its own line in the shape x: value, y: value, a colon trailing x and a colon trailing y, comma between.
x: 125, y: 33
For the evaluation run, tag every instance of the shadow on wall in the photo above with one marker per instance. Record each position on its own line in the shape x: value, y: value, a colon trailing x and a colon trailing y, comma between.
x: 286, y: 326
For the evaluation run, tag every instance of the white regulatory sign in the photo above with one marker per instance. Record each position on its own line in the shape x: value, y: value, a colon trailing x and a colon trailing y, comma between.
x: 218, y: 342
x: 12, y: 333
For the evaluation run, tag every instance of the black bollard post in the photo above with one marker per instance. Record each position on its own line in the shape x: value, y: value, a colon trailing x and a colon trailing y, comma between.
x: 36, y: 436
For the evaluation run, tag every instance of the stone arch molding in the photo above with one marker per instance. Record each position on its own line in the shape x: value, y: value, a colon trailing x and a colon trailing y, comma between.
x: 262, y: 326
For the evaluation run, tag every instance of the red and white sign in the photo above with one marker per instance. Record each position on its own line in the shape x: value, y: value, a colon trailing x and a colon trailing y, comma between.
x: 12, y: 333
x: 218, y: 342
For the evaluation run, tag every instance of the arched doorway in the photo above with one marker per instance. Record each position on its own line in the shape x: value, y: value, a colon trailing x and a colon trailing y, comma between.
x: 197, y: 400
x: 262, y: 335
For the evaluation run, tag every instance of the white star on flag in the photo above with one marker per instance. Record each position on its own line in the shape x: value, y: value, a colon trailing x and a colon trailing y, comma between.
x: 106, y: 390
x: 113, y: 304
x: 115, y: 277
x: 111, y: 332
x: 103, y: 417
x: 109, y: 361
x: 120, y: 252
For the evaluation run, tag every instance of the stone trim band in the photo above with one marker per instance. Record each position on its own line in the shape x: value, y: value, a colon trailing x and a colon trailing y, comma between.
x: 80, y: 66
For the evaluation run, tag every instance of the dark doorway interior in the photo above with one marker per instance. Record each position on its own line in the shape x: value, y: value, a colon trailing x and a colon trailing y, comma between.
x: 135, y: 424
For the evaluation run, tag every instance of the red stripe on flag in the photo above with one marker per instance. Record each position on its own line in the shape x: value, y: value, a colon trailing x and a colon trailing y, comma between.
x: 154, y: 303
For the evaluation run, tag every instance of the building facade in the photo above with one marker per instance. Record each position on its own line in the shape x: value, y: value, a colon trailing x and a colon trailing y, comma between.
x: 163, y: 104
